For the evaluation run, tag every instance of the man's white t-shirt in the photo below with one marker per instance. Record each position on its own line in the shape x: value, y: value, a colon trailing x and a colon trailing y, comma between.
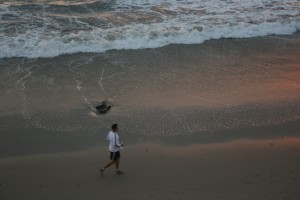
x: 113, y: 139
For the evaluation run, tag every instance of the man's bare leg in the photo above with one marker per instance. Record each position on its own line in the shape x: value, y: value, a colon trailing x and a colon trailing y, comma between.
x: 106, y: 166
x: 109, y: 164
x: 117, y: 163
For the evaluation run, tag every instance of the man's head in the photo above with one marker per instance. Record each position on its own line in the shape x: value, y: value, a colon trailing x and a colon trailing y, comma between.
x: 114, y: 127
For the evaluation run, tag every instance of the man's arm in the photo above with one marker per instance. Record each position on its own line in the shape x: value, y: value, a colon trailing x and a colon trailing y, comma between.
x: 117, y: 142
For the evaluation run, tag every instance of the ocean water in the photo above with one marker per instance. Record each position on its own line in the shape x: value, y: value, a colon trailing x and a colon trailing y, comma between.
x: 48, y: 28
x: 168, y: 67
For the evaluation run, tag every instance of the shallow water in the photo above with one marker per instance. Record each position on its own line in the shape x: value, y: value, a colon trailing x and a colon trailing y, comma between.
x: 174, y: 90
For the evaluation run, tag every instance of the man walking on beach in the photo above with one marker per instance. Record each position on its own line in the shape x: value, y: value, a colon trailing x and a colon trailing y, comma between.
x: 114, y: 148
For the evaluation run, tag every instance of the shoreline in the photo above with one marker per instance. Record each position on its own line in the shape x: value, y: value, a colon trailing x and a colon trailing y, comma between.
x: 37, y: 120
x: 291, y: 37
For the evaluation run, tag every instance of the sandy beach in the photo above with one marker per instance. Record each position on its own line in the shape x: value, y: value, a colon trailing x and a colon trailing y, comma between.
x: 206, y: 95
x: 248, y: 163
x: 237, y: 169
x: 218, y: 120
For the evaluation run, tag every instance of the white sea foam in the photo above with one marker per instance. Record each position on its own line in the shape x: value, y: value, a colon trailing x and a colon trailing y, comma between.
x: 142, y: 24
x: 78, y: 86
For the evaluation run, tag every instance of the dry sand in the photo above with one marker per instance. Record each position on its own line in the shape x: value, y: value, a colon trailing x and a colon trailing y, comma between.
x: 239, y: 169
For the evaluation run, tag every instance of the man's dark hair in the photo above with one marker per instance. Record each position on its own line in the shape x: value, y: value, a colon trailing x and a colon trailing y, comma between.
x: 114, y: 126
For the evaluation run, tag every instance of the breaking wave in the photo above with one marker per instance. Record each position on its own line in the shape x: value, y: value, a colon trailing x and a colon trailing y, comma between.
x: 51, y: 28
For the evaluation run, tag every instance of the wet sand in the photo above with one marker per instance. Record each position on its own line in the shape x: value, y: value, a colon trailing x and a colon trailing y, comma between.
x: 239, y: 169
x: 217, y: 85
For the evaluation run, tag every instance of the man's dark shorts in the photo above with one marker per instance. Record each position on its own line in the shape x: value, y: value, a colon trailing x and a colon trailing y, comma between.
x: 115, y: 155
